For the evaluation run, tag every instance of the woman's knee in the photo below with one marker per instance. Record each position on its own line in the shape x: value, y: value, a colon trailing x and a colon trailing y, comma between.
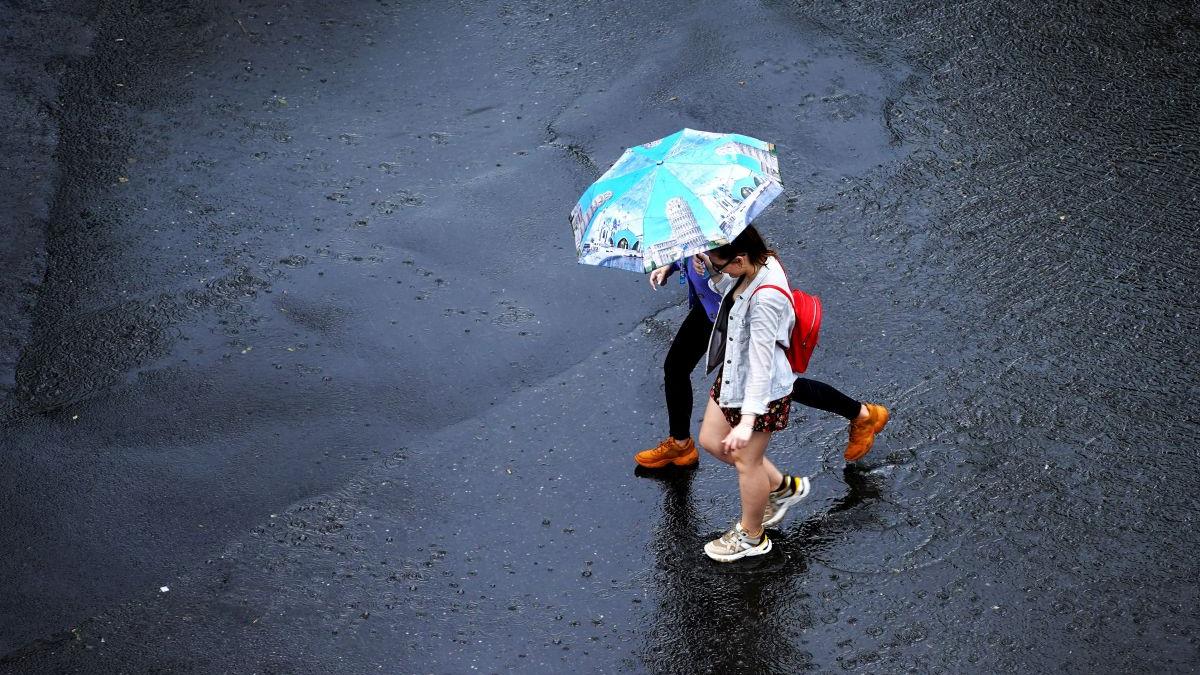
x: 710, y: 441
x: 749, y: 459
x: 745, y: 461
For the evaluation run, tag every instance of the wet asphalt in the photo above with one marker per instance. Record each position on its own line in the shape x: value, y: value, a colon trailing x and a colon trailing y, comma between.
x: 298, y: 373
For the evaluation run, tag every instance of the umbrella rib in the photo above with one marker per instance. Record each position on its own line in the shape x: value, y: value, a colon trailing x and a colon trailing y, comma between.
x: 649, y: 195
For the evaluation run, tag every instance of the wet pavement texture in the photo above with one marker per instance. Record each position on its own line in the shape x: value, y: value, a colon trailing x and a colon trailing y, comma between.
x: 298, y: 373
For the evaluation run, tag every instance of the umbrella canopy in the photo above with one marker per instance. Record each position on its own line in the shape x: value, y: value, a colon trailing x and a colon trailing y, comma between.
x: 684, y: 194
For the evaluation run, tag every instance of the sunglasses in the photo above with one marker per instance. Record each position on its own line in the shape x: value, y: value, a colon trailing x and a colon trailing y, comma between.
x: 719, y: 269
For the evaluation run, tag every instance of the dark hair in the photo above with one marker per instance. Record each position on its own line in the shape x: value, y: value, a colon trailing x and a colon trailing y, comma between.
x: 749, y: 242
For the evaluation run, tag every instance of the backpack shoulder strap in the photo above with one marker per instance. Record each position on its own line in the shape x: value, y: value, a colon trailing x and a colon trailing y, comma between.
x: 778, y: 288
x: 791, y: 299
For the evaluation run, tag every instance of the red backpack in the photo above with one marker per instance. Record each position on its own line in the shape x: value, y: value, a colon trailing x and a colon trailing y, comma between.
x: 806, y: 329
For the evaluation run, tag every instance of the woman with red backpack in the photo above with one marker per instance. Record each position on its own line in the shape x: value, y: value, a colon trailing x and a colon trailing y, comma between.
x: 688, y: 347
x: 751, y: 396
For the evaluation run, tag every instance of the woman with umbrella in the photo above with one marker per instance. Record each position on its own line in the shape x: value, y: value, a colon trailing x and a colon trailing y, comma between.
x: 689, y: 345
x: 658, y: 206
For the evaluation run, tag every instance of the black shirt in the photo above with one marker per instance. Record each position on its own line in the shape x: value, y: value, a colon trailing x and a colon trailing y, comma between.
x: 716, y: 344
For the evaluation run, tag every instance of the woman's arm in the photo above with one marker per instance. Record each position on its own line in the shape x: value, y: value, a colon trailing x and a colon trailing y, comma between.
x: 659, y: 276
x: 721, y: 283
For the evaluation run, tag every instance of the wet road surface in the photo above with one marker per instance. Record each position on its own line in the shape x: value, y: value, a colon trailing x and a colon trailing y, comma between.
x: 299, y: 338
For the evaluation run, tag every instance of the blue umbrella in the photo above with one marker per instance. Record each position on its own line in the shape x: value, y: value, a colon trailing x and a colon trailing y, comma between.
x: 684, y: 194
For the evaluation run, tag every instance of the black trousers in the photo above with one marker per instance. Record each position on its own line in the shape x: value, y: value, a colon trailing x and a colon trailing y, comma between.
x: 689, y: 347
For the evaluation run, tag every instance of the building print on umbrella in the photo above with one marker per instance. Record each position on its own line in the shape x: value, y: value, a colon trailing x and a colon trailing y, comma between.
x: 625, y: 239
x: 612, y: 232
x: 729, y: 198
x: 577, y: 224
x: 725, y: 199
x: 768, y: 162
x: 685, y: 237
x: 580, y: 219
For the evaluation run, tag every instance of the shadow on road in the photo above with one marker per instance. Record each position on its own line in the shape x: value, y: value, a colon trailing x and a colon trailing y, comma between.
x: 748, y: 615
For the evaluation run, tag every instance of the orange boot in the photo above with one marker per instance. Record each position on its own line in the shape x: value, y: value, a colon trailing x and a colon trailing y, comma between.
x: 670, y: 451
x: 862, y: 432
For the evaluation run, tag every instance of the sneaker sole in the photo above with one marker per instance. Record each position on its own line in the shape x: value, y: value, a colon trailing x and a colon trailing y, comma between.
x: 805, y: 488
x: 685, y: 460
x: 748, y: 553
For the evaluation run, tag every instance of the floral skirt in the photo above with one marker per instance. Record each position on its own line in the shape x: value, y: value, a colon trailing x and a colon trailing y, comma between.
x: 775, y: 419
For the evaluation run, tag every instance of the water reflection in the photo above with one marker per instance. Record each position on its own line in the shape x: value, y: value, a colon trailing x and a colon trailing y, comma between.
x: 747, y: 616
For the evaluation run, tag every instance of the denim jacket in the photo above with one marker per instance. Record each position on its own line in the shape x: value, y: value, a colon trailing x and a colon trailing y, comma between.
x: 756, y: 370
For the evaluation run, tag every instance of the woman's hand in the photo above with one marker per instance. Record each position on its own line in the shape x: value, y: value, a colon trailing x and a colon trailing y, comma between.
x: 659, y: 276
x: 700, y: 264
x: 739, y: 436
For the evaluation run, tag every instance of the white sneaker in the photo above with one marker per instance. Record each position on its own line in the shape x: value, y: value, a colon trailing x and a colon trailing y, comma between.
x: 736, y: 544
x: 777, y: 506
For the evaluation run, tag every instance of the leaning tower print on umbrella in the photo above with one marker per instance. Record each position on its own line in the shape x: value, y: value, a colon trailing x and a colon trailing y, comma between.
x: 684, y: 194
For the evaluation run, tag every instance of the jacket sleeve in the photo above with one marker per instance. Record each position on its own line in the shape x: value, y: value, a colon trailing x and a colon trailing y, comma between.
x: 769, y: 311
x: 721, y: 283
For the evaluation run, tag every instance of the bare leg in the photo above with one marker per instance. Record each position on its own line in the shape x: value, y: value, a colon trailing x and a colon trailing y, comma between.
x: 774, y: 475
x: 757, y: 476
x: 713, y: 430
x: 754, y: 480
